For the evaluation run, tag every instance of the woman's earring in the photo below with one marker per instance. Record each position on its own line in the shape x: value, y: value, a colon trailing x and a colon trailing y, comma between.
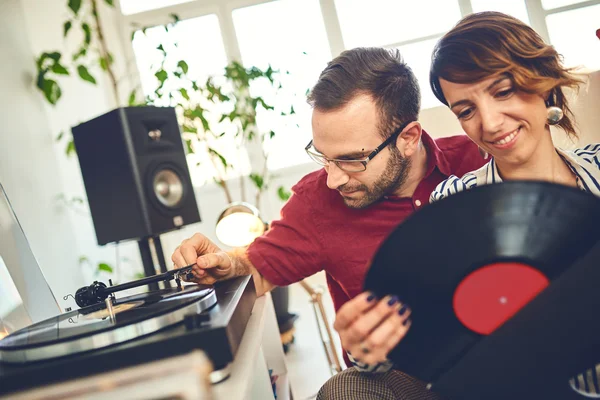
x: 554, y: 115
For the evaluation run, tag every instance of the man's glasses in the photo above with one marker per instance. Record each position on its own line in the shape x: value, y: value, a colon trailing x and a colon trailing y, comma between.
x: 355, y: 165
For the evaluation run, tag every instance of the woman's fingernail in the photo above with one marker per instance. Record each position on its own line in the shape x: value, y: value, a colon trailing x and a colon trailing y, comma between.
x: 370, y: 298
x: 406, y: 321
x: 393, y: 300
x: 403, y: 309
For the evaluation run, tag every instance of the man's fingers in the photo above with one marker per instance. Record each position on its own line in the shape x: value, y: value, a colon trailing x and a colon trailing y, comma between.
x: 202, y: 244
x: 178, y: 258
x: 188, y: 252
x: 352, y: 309
x: 218, y: 264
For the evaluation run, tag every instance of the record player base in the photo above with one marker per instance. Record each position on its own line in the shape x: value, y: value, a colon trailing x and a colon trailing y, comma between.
x: 188, y: 376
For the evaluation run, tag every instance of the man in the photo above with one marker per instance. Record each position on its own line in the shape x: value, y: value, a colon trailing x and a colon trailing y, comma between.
x: 379, y: 167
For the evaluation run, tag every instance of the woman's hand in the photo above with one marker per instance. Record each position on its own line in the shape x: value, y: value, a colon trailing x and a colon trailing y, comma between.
x: 370, y: 329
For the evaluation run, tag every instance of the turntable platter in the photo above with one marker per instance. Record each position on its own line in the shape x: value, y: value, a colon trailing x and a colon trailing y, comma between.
x: 89, y: 328
x: 103, y: 313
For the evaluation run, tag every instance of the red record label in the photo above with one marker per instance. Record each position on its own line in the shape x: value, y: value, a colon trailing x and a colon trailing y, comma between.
x: 491, y: 295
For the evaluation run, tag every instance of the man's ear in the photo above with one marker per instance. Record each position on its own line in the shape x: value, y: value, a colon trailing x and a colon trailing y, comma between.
x: 408, y: 142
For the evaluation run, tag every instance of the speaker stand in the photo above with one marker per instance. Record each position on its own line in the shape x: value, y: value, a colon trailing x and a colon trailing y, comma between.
x: 146, y: 245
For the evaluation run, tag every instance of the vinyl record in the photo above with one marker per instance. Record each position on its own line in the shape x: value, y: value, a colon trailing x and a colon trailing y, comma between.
x: 91, y: 328
x: 468, y: 263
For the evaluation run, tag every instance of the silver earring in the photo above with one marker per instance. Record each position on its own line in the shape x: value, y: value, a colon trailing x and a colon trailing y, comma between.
x: 554, y: 115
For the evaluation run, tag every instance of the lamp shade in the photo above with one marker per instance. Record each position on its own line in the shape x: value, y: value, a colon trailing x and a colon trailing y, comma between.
x: 239, y: 224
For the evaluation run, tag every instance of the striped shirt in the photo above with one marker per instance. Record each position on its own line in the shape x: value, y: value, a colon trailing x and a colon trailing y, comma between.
x: 585, y: 164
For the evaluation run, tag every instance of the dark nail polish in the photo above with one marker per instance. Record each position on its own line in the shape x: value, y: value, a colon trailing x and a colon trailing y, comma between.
x: 393, y: 301
x: 370, y: 298
x: 402, y: 310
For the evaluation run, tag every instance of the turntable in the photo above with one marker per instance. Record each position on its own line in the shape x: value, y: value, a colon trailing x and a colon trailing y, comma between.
x: 108, y: 333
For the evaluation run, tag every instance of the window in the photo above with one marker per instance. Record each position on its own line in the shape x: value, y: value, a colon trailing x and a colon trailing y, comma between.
x: 516, y: 8
x: 197, y: 42
x: 550, y: 4
x: 290, y: 36
x: 293, y: 36
x: 386, y: 22
x: 129, y: 7
x: 418, y: 57
x: 573, y: 33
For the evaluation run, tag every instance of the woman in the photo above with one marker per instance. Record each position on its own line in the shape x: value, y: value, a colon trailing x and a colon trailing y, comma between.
x: 506, y: 87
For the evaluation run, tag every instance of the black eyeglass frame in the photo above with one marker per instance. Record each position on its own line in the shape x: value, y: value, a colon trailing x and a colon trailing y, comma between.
x: 363, y: 161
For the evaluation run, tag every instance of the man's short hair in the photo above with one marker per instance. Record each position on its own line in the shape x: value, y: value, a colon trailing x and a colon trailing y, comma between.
x: 377, y: 72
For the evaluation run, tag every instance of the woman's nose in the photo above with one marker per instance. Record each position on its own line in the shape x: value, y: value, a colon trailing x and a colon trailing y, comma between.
x: 491, y: 119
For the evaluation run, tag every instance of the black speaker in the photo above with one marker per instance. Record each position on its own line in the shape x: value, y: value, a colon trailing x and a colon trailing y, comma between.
x: 135, y: 173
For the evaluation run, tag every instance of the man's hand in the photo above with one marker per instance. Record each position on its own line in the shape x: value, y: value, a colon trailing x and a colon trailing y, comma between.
x: 370, y: 329
x: 212, y: 264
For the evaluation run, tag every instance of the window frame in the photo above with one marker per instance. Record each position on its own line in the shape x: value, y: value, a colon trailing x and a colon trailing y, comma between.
x: 223, y: 9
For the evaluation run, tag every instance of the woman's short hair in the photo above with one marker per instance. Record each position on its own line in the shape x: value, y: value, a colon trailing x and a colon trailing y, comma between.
x: 489, y: 44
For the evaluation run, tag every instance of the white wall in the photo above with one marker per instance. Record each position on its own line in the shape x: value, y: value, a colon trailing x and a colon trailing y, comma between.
x: 29, y: 168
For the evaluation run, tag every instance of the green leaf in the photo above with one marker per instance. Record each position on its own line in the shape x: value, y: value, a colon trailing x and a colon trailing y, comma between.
x: 216, y: 153
x: 67, y: 27
x: 131, y: 100
x: 183, y: 65
x: 60, y: 136
x: 87, y: 32
x: 85, y: 74
x: 110, y: 2
x: 283, y: 193
x: 161, y: 48
x: 82, y: 52
x: 190, y: 149
x: 292, y: 111
x: 75, y: 5
x: 189, y: 129
x: 184, y: 93
x: 55, y: 56
x: 59, y: 69
x: 51, y: 90
x: 83, y: 259
x: 105, y: 267
x: 271, y: 134
x: 175, y: 17
x: 70, y: 148
x: 161, y: 75
x: 139, y: 275
x: 258, y: 180
x: 105, y: 62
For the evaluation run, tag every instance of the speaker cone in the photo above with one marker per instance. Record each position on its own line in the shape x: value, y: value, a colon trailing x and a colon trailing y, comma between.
x: 168, y: 187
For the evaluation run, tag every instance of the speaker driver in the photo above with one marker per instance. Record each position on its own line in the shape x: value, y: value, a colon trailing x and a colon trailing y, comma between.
x: 168, y: 187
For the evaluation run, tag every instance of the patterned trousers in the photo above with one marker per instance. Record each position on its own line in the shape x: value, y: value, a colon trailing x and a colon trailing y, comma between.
x: 351, y: 384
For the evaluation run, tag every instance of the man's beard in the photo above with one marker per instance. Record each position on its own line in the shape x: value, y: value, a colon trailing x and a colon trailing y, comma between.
x: 393, y: 177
